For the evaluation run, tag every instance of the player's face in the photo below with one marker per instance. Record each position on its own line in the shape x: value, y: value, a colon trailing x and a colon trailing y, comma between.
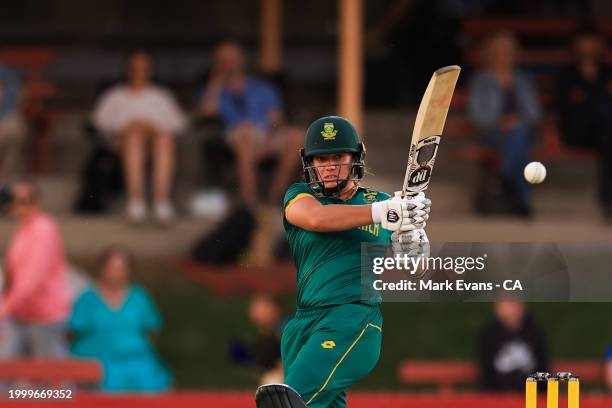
x: 333, y: 167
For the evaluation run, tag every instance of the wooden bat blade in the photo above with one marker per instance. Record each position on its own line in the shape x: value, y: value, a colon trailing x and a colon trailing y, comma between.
x: 436, y: 101
x: 428, y: 127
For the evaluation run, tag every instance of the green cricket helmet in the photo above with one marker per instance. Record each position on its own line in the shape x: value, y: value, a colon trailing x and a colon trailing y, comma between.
x: 329, y: 135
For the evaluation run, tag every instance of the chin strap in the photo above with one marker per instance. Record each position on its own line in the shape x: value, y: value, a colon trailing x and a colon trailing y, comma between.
x: 341, y: 183
x: 333, y: 192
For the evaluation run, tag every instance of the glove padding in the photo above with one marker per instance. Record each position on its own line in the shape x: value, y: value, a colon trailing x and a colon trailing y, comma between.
x: 411, y: 243
x: 402, y: 213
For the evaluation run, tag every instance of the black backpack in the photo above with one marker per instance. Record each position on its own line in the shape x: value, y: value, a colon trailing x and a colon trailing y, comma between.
x: 101, y: 181
x: 226, y: 243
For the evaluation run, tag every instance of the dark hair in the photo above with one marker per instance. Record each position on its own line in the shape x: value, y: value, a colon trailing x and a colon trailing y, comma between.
x: 586, y: 29
x: 131, y: 52
x: 7, y: 195
x: 127, y: 58
x: 111, y: 251
x: 232, y: 41
x: 239, y: 45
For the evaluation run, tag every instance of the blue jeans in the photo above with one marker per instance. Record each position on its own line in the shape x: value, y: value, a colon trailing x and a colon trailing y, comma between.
x: 514, y: 148
x: 19, y: 339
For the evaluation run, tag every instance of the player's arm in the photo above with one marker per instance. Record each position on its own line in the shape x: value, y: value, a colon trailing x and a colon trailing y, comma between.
x: 397, y: 214
x: 309, y: 214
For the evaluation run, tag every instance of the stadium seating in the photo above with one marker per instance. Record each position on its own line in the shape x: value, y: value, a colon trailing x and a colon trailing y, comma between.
x: 552, y: 30
x: 31, y: 63
x: 446, y: 375
x: 544, y: 49
x: 51, y: 371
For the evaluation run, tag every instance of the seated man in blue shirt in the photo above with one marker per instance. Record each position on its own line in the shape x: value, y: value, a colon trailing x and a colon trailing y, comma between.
x: 251, y: 111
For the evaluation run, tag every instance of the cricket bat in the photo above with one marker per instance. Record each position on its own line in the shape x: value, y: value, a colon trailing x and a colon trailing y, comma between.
x: 428, y: 128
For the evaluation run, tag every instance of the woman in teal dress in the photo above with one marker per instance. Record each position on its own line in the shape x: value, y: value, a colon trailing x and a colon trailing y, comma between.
x: 113, y: 321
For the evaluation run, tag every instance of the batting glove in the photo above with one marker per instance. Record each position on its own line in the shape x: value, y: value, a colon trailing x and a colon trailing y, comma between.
x: 411, y: 243
x: 402, y: 213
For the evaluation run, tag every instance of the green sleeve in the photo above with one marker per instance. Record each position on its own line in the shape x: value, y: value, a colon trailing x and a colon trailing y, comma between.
x: 295, y: 191
x: 382, y: 196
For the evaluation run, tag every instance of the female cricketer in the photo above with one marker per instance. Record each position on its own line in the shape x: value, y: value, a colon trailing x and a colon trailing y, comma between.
x: 335, y: 337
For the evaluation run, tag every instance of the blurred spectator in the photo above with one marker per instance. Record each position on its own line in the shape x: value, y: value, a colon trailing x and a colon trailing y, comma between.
x: 12, y: 125
x: 504, y: 105
x: 36, y: 303
x: 510, y: 347
x: 430, y: 29
x: 608, y: 368
x: 101, y: 178
x: 135, y: 115
x: 264, y: 352
x: 251, y: 112
x: 265, y: 315
x: 584, y: 97
x: 113, y: 322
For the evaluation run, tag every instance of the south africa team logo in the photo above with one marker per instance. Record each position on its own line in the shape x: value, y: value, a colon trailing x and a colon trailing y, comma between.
x: 328, y: 132
x: 370, y: 196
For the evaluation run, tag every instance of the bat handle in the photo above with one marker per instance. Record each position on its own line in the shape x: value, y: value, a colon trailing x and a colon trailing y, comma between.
x: 404, y: 194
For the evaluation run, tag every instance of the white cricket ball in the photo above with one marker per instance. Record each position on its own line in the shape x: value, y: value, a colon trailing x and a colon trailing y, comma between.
x: 535, y: 172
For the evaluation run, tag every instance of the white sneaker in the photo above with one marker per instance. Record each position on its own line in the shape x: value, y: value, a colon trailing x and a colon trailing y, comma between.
x: 136, y: 212
x: 164, y: 213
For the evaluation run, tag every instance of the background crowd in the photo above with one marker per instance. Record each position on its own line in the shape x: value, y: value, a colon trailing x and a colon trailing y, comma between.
x: 218, y: 150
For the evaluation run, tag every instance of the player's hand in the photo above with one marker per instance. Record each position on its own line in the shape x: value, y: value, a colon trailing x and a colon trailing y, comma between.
x: 418, y: 207
x: 411, y: 243
x: 402, y: 213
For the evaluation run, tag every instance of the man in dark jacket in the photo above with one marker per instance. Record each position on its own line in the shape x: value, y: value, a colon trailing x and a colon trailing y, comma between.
x: 510, y: 348
x: 584, y: 103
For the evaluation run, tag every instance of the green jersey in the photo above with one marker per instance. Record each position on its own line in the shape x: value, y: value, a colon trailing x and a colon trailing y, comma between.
x: 329, y: 263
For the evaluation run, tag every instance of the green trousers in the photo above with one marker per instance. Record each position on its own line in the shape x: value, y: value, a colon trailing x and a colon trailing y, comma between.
x: 326, y: 350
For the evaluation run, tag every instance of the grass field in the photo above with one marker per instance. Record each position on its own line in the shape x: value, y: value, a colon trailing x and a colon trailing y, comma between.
x: 199, y: 324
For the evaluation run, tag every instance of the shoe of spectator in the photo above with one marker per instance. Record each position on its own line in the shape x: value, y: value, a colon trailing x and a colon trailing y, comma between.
x: 137, y: 212
x: 164, y: 213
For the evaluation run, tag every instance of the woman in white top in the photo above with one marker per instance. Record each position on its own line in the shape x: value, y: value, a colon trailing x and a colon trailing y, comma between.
x: 136, y: 115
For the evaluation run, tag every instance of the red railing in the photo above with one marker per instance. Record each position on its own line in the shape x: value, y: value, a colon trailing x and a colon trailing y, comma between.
x: 357, y: 399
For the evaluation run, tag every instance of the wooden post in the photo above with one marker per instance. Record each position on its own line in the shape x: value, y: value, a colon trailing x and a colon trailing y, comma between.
x: 350, y: 67
x: 270, y: 36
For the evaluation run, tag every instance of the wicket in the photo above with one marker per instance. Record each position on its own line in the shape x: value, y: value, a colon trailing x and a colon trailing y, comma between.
x: 552, y: 389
